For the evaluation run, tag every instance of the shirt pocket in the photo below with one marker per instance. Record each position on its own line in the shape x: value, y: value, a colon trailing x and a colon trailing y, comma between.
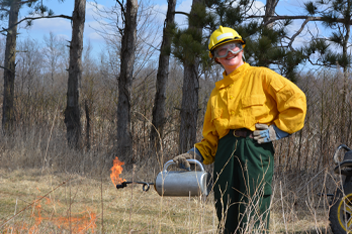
x: 255, y: 106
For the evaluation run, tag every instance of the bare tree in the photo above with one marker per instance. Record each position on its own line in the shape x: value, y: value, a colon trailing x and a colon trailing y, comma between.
x: 72, y: 112
x: 53, y: 53
x: 162, y: 78
x: 124, y: 137
x: 27, y: 81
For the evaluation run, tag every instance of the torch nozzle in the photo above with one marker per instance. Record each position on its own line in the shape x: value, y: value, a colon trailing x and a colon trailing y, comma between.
x: 122, y: 185
x: 145, y: 187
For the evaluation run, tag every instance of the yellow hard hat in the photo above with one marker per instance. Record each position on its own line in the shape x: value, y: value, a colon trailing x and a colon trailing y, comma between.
x: 221, y: 36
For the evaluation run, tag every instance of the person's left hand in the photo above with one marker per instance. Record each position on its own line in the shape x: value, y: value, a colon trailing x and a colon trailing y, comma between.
x: 265, y: 133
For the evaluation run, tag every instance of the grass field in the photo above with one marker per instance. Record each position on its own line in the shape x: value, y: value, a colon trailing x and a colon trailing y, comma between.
x: 32, y: 201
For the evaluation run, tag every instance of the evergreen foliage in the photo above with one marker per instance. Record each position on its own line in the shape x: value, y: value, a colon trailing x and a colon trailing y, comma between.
x: 189, y: 43
x: 37, y: 8
x: 335, y: 15
x: 265, y: 46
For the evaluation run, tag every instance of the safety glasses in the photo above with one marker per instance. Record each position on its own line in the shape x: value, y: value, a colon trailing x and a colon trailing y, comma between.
x: 223, y: 51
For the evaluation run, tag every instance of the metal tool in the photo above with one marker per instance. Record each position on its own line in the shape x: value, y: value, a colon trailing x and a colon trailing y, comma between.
x: 183, y: 183
x: 145, y: 186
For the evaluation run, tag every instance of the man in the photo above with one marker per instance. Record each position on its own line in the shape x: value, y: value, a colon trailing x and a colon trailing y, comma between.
x: 247, y: 110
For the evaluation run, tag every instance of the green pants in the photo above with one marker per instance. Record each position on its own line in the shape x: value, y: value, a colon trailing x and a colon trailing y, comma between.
x: 243, y: 172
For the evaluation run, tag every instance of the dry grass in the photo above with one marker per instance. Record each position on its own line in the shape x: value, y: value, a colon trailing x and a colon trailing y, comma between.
x: 100, y: 208
x: 77, y: 195
x: 82, y: 199
x: 110, y: 210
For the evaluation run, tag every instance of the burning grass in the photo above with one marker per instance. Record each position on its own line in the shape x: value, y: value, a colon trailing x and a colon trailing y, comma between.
x: 84, y: 205
x: 75, y: 204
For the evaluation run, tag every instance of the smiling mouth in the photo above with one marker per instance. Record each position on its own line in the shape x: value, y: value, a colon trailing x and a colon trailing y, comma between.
x: 231, y: 57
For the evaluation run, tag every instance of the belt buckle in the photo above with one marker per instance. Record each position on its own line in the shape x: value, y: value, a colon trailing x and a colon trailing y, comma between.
x: 234, y: 133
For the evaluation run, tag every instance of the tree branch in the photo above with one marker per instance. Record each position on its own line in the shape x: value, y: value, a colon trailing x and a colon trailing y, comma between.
x: 121, y: 5
x: 5, y: 68
x: 295, y: 17
x: 4, y: 9
x: 45, y: 17
x: 305, y: 17
x: 24, y: 2
x: 182, y: 13
x: 40, y: 17
x: 297, y: 33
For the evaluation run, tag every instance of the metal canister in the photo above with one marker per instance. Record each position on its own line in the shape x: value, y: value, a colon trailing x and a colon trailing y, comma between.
x: 183, y: 183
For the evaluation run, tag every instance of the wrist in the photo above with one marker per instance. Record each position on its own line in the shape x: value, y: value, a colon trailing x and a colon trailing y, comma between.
x: 196, y: 154
x: 279, y: 133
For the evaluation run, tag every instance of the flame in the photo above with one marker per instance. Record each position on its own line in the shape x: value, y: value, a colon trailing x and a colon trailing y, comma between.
x: 116, y: 170
x: 76, y: 222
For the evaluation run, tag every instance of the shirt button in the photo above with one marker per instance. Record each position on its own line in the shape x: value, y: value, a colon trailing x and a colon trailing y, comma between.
x: 232, y: 113
x: 231, y: 97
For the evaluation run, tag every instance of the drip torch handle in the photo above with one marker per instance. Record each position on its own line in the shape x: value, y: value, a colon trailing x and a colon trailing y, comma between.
x: 171, y: 162
x: 335, y: 158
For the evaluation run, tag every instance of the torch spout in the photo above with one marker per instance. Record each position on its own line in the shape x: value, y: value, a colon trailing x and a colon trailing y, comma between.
x: 122, y: 185
x: 145, y: 187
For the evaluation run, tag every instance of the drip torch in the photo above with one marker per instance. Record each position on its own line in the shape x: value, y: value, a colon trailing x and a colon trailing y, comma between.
x: 178, y: 183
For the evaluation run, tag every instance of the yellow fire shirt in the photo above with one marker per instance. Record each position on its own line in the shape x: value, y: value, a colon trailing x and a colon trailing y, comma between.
x: 247, y: 96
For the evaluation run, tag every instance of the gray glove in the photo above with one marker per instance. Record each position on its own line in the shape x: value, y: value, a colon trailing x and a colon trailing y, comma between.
x: 265, y: 133
x: 181, y: 160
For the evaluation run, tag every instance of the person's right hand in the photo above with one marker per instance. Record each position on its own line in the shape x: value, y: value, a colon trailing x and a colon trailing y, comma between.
x: 181, y: 161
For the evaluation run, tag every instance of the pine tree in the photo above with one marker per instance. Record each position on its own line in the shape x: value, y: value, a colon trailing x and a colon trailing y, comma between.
x: 337, y: 16
x: 266, y: 37
x: 189, y: 49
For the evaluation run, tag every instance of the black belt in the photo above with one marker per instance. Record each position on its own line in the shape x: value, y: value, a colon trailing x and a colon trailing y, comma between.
x: 242, y: 133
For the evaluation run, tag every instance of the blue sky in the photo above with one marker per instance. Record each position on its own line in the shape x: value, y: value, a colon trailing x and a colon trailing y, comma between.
x: 62, y: 27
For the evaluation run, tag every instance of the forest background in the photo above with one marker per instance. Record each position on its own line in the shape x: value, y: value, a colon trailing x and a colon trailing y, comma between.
x: 72, y: 108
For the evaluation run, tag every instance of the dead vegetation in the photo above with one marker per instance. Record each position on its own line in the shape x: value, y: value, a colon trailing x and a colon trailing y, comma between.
x: 36, y: 158
x: 52, y: 202
x: 71, y: 192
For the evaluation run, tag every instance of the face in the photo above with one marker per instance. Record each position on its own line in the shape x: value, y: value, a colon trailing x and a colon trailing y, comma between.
x: 229, y: 56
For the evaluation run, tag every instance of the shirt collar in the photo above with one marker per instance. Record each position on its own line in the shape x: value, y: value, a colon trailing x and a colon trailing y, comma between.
x: 232, y: 77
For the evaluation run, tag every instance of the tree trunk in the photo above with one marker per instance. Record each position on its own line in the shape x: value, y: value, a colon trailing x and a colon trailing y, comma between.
x: 124, y: 136
x: 72, y: 112
x: 345, y: 82
x: 189, y: 109
x: 86, y: 107
x: 269, y: 12
x: 161, y: 80
x: 8, y: 117
x: 189, y: 106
